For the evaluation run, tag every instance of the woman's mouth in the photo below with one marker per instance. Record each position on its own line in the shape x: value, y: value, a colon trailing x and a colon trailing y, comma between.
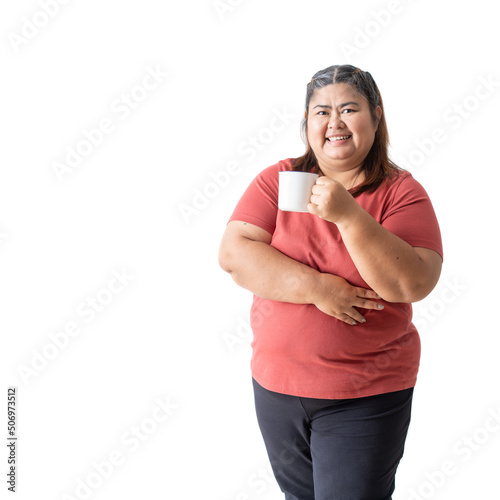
x: 338, y: 138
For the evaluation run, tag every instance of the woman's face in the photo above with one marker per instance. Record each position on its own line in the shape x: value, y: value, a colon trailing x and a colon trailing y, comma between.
x: 340, y: 128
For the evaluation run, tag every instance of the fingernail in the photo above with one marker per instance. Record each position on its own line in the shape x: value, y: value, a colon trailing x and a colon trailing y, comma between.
x: 363, y: 320
x: 354, y: 323
x: 380, y: 306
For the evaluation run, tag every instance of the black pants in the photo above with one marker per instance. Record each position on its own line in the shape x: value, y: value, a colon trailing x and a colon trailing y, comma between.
x: 334, y: 449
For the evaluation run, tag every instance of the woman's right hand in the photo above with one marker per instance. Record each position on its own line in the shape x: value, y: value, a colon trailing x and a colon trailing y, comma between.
x: 334, y: 296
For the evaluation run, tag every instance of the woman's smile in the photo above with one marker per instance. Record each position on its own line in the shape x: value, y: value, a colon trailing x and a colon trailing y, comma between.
x: 338, y: 140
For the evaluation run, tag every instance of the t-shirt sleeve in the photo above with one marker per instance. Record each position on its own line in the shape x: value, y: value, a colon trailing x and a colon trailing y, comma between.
x: 259, y: 203
x: 410, y: 215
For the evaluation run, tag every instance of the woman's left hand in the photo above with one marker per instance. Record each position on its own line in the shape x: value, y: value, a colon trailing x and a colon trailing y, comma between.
x: 331, y: 201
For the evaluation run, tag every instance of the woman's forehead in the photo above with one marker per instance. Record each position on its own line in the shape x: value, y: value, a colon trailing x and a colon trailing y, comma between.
x: 337, y: 93
x: 335, y: 89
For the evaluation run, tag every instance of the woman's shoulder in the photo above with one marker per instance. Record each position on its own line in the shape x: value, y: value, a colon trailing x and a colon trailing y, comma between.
x: 267, y: 180
x: 399, y: 187
x: 401, y: 181
x: 281, y: 166
x: 404, y: 182
x: 271, y: 173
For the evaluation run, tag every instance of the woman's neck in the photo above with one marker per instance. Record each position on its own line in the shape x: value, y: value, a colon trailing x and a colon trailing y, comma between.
x: 348, y: 178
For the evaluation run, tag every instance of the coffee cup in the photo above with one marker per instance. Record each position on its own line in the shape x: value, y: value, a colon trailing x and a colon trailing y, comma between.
x: 295, y: 189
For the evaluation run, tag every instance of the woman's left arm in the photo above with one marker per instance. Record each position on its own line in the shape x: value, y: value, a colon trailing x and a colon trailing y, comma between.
x: 390, y: 266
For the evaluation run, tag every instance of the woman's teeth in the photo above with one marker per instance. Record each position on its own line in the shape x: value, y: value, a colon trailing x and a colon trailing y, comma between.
x: 340, y: 138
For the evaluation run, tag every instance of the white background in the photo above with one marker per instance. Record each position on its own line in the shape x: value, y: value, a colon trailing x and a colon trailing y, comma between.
x: 178, y: 330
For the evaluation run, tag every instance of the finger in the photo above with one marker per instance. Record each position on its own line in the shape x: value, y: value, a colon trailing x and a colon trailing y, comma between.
x: 321, y: 181
x: 318, y: 187
x: 356, y: 316
x: 366, y: 293
x: 315, y: 199
x: 353, y: 317
x: 312, y: 208
x: 368, y: 304
x: 347, y: 319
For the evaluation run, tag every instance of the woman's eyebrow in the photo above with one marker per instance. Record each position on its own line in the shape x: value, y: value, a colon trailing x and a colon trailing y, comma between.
x: 327, y: 106
x: 348, y: 104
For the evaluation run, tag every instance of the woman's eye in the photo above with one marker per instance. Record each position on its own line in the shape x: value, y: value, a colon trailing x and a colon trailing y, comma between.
x: 347, y: 110
x: 322, y: 113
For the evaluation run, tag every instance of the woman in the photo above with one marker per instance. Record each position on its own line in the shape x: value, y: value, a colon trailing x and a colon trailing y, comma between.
x: 335, y: 354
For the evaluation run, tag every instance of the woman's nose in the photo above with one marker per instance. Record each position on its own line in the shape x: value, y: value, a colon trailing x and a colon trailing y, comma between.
x: 335, y: 121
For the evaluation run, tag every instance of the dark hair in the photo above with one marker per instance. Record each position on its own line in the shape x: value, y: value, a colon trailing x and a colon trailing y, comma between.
x: 377, y: 165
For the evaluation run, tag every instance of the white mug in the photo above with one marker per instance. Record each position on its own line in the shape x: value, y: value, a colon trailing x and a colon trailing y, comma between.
x: 295, y: 189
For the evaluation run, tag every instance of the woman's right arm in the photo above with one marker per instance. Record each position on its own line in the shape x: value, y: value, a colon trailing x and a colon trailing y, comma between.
x: 245, y: 253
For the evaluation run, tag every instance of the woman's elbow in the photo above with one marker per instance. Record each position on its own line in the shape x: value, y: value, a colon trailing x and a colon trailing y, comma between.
x: 412, y: 291
x: 227, y: 263
x: 432, y: 264
x: 416, y: 294
x: 421, y: 292
x: 404, y: 296
x: 224, y: 258
x: 230, y: 252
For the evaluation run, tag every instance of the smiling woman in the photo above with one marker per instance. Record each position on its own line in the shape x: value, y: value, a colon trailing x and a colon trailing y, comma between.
x: 335, y: 353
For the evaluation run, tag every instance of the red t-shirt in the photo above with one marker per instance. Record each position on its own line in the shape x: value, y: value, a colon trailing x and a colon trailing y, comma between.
x: 301, y: 351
